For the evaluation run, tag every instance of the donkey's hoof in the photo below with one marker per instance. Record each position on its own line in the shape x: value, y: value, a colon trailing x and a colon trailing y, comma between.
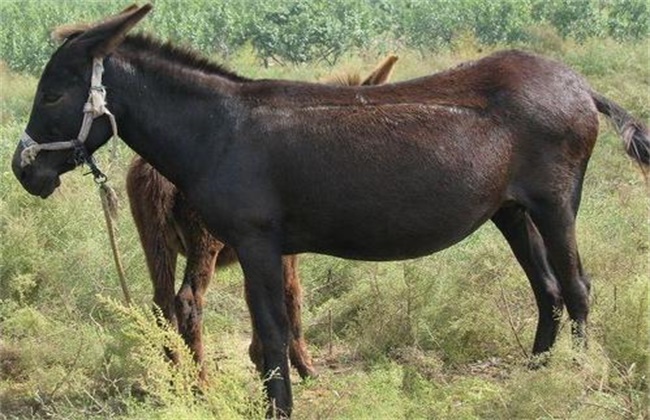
x: 307, y: 372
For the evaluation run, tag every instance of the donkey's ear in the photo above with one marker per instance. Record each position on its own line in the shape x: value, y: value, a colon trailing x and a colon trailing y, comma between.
x: 63, y: 32
x: 103, y: 38
x: 129, y: 9
x: 382, y: 73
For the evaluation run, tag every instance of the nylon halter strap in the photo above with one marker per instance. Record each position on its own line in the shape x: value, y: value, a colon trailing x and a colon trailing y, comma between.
x: 94, y: 107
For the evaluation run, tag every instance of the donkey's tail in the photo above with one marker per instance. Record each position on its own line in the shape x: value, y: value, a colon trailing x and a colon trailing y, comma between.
x: 634, y: 133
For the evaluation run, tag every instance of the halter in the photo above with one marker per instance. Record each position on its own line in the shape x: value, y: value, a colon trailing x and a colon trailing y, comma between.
x: 94, y: 107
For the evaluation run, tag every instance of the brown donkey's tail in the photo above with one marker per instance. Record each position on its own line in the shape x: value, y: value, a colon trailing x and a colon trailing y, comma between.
x: 634, y: 133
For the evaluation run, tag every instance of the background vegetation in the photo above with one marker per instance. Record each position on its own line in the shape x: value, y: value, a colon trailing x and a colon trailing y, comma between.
x: 446, y: 336
x: 298, y: 31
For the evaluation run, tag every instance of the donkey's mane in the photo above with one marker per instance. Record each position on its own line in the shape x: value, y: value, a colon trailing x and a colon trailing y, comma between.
x: 181, y: 55
x: 141, y: 42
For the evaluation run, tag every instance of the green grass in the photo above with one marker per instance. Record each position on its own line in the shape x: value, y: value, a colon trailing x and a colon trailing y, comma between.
x: 445, y: 336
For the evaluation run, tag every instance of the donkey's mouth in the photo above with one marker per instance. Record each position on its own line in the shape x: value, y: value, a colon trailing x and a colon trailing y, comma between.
x: 47, y: 188
x: 42, y: 188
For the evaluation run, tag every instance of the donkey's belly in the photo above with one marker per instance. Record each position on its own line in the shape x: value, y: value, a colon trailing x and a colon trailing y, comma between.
x: 390, y: 232
x: 388, y: 249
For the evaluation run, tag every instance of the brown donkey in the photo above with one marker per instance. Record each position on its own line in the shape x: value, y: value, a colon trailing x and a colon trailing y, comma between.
x: 168, y: 225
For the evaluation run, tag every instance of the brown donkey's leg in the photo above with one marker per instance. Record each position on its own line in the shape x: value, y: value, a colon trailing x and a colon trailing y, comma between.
x: 150, y: 201
x: 161, y: 261
x: 255, y: 348
x: 202, y: 251
x: 298, y: 353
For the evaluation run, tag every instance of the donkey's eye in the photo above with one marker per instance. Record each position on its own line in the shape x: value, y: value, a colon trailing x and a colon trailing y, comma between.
x: 51, y: 98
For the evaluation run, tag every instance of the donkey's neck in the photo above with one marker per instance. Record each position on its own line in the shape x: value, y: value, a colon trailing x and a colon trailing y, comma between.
x: 171, y: 115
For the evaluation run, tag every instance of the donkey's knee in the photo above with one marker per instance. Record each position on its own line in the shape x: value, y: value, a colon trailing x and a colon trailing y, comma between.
x: 576, y: 299
x: 554, y: 301
x: 185, y: 307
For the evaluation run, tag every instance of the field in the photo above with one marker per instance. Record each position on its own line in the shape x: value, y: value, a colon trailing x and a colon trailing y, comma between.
x: 446, y: 336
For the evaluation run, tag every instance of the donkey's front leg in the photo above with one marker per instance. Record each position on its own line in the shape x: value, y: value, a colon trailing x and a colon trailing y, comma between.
x: 261, y: 260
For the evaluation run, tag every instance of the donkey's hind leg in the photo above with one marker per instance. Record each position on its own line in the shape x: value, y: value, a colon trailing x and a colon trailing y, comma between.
x: 529, y: 249
x: 202, y: 251
x: 298, y: 353
x: 555, y: 220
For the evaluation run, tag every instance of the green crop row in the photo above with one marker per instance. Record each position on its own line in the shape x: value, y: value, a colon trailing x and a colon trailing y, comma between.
x: 307, y: 30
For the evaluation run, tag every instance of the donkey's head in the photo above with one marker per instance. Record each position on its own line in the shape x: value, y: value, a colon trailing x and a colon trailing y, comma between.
x: 61, y: 133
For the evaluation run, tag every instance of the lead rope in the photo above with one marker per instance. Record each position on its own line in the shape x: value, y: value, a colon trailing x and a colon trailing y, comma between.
x: 95, y: 107
x: 109, y: 201
x: 109, y: 205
